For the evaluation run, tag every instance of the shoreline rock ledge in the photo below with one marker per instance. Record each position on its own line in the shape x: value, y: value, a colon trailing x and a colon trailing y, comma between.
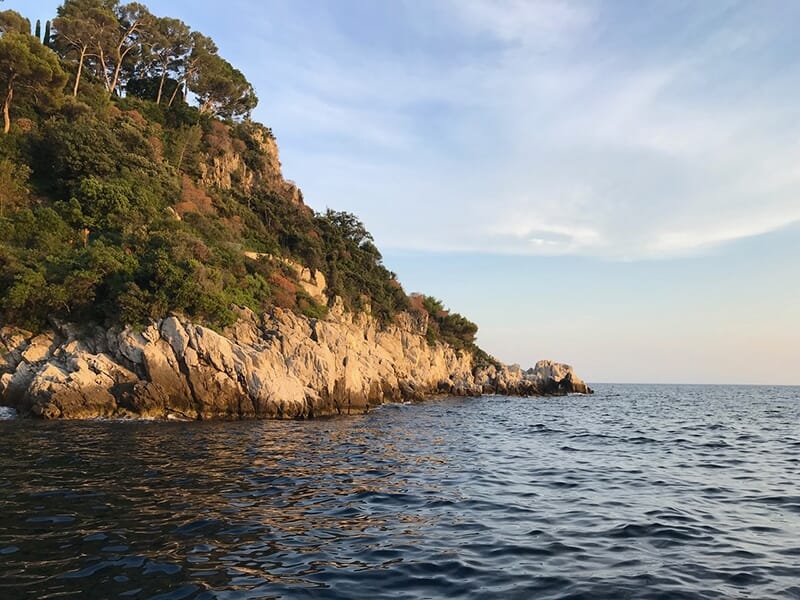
x: 277, y: 365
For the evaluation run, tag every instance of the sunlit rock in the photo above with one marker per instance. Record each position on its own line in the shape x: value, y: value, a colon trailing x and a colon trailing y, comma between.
x: 276, y: 365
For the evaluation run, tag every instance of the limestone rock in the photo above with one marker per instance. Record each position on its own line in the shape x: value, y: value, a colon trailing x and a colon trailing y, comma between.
x: 38, y: 348
x: 225, y: 166
x: 312, y: 282
x: 277, y: 365
x: 548, y: 374
x: 13, y: 342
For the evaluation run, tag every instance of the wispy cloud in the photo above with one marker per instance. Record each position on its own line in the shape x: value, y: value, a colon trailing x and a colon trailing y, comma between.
x: 543, y: 127
x: 541, y: 22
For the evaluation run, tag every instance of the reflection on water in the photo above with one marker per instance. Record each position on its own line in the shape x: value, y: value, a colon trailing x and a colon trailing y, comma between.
x: 649, y: 491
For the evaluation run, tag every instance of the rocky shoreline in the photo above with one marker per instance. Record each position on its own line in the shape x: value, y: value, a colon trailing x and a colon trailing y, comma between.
x: 277, y: 365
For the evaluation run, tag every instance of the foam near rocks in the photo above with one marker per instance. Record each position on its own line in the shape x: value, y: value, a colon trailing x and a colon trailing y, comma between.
x: 6, y: 413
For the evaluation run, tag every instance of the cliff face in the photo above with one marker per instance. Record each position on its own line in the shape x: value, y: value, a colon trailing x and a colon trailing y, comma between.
x: 224, y: 167
x: 279, y: 365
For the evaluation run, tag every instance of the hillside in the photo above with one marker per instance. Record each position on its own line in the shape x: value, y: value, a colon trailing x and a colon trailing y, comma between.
x: 133, y: 185
x: 155, y: 263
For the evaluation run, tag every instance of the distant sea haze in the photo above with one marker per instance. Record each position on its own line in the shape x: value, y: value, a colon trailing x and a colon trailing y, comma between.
x: 640, y: 491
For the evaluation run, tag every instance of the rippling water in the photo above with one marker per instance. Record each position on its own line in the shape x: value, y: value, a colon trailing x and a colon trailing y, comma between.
x: 638, y: 491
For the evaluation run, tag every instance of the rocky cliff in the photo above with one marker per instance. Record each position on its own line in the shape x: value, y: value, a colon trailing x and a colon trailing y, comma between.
x: 223, y: 166
x: 277, y: 365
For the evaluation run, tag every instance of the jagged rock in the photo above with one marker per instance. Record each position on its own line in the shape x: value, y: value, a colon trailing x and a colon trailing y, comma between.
x: 312, y: 282
x: 278, y: 365
x: 163, y: 368
x: 12, y: 343
x: 39, y: 348
x: 174, y: 333
x: 226, y: 166
x: 546, y: 377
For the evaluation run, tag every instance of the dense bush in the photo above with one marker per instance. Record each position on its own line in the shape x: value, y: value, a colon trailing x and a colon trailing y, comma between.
x: 354, y: 267
x: 452, y: 328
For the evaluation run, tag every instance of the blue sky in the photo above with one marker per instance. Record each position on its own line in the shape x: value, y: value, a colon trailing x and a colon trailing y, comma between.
x: 609, y: 184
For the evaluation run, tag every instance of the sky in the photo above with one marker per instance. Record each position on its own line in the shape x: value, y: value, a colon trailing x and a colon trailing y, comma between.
x: 615, y: 185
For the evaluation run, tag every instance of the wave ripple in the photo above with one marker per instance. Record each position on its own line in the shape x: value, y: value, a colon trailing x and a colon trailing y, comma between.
x: 638, y: 491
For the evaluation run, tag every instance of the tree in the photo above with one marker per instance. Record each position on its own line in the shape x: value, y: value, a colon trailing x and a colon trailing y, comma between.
x: 147, y: 88
x: 47, y: 39
x: 11, y: 20
x: 79, y: 28
x: 185, y: 144
x: 120, y: 37
x: 347, y: 226
x: 27, y: 65
x: 169, y: 44
x: 223, y: 90
x: 13, y: 184
x: 201, y: 47
x: 38, y: 30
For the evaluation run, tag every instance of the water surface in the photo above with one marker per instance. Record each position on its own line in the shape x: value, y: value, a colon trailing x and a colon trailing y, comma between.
x: 638, y: 491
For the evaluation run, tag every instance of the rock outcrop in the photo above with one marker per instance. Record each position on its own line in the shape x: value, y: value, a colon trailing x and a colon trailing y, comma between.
x: 313, y: 282
x: 224, y: 165
x: 278, y: 365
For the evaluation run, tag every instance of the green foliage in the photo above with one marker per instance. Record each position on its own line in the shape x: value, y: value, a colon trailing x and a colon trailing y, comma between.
x: 168, y: 42
x: 150, y: 88
x: 458, y: 331
x: 81, y: 32
x: 355, y: 269
x: 28, y: 70
x: 434, y: 306
x: 13, y: 185
x: 11, y: 20
x: 155, y: 58
x: 452, y: 328
x: 112, y: 209
x: 310, y: 308
x: 222, y: 90
x: 482, y: 359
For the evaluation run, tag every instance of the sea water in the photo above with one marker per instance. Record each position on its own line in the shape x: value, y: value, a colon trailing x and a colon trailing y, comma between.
x: 635, y: 492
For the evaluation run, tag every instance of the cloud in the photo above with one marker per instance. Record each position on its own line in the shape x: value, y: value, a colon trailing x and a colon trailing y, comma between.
x: 541, y: 22
x: 542, y: 127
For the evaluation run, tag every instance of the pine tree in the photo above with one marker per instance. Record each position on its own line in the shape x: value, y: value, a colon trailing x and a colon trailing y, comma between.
x: 38, y: 31
x: 26, y: 66
x: 46, y: 38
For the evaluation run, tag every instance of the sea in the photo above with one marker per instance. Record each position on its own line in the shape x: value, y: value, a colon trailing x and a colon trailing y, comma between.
x: 639, y: 491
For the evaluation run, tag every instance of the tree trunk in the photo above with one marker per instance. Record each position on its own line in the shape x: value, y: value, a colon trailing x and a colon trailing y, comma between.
x: 7, y: 105
x: 161, y: 86
x: 113, y: 85
x: 175, y: 92
x: 80, y: 70
x: 118, y: 68
x: 104, y: 68
x: 180, y: 156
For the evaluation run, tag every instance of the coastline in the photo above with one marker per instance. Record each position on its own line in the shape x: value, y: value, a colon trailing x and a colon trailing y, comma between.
x: 277, y: 365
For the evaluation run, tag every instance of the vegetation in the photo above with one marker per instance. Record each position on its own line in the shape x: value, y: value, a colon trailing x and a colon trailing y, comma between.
x: 134, y: 184
x: 354, y: 268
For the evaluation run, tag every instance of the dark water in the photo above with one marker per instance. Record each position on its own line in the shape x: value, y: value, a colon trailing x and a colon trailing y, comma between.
x: 637, y: 492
